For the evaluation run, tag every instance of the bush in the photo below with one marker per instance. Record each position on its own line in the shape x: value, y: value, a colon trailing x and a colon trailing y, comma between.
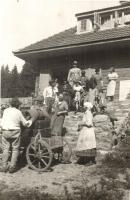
x: 105, y: 190
x: 116, y: 159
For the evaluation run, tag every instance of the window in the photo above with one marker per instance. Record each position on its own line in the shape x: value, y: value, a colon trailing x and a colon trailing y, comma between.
x: 107, y: 21
x: 86, y: 25
x: 83, y: 25
x: 127, y: 16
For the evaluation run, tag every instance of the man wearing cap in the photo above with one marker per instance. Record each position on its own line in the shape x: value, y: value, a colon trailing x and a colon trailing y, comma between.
x: 11, y: 131
x: 50, y: 95
x: 74, y: 74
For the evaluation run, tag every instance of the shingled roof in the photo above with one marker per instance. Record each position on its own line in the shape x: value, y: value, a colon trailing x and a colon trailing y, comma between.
x: 70, y: 38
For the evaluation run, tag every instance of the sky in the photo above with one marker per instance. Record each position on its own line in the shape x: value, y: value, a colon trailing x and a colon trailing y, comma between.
x: 23, y: 22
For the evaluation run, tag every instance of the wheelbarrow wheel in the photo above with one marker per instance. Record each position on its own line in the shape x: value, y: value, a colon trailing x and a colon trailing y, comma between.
x: 39, y: 156
x: 66, y: 153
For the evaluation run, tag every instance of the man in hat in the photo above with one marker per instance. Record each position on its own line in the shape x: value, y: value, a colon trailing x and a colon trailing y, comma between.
x: 74, y: 74
x: 50, y: 95
x: 11, y: 131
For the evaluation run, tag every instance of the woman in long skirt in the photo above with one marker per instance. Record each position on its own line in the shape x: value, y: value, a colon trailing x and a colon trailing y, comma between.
x: 57, y: 120
x: 112, y: 77
x: 86, y: 145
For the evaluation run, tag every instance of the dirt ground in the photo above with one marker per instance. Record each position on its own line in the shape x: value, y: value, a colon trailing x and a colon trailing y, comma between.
x: 51, y: 182
x: 60, y: 178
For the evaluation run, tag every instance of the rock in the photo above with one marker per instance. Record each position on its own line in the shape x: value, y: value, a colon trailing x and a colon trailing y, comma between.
x: 100, y: 118
x: 124, y: 145
x: 102, y: 123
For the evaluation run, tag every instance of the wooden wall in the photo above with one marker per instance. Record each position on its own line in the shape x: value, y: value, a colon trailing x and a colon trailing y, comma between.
x: 119, y: 58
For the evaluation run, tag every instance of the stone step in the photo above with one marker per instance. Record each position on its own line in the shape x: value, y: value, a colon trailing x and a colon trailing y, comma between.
x: 117, y: 102
x: 121, y: 110
x: 72, y: 120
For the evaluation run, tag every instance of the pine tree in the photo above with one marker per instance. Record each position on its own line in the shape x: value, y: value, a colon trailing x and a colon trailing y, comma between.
x: 15, y: 83
x: 27, y: 80
x: 5, y: 82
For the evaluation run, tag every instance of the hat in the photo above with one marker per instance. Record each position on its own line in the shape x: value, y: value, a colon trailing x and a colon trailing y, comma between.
x: 15, y: 102
x: 75, y: 62
x: 3, y: 106
x: 83, y: 72
x: 51, y: 81
x: 88, y: 105
x: 97, y: 70
x: 112, y: 69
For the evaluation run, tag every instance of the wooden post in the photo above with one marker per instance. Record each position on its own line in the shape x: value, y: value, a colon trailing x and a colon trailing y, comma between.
x: 116, y: 18
x: 123, y: 18
x: 111, y: 20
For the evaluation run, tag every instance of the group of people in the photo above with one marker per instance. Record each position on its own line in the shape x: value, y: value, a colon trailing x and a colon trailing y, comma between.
x: 79, y: 88
x: 54, y: 104
x: 13, y: 119
x: 80, y: 91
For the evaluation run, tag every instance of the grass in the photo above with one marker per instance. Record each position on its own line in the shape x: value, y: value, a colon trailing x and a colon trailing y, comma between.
x: 105, y: 190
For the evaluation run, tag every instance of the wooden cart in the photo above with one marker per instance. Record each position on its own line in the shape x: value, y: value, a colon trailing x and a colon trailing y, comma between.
x: 45, y: 147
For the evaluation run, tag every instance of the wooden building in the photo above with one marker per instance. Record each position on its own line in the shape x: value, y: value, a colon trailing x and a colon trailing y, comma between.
x: 101, y: 39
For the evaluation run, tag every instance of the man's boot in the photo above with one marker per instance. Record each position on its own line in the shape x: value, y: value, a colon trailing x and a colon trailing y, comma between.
x: 5, y: 158
x: 13, y: 163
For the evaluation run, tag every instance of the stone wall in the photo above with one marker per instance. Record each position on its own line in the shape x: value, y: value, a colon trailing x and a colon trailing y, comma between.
x: 26, y: 101
x: 102, y: 130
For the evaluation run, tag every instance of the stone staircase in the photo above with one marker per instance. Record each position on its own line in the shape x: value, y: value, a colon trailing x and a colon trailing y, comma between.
x: 71, y: 124
x: 103, y: 130
x: 121, y: 108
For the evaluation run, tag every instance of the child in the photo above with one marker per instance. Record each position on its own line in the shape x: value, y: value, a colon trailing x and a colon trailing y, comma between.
x: 78, y: 89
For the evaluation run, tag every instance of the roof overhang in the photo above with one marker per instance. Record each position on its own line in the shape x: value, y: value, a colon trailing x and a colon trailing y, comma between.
x: 33, y: 55
x: 104, y: 10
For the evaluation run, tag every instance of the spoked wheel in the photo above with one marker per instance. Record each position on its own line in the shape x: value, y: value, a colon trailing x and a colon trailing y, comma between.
x: 39, y: 155
x: 66, y: 153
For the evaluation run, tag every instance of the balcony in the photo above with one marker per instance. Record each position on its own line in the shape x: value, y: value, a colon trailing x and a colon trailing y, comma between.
x: 102, y: 21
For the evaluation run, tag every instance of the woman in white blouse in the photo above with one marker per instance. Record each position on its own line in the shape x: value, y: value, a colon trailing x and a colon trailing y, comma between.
x: 112, y: 78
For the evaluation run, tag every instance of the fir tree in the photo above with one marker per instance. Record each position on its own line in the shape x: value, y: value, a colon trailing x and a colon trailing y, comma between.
x: 15, y: 83
x: 27, y: 80
x: 5, y: 82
